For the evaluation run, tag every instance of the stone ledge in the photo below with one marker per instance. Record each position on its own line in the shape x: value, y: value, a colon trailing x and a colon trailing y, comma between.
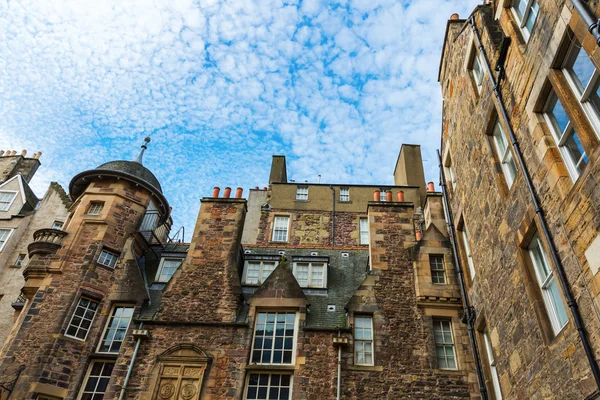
x: 365, y: 368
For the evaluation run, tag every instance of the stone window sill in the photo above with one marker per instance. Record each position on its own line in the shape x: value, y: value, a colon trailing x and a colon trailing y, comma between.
x: 271, y: 367
x: 366, y: 368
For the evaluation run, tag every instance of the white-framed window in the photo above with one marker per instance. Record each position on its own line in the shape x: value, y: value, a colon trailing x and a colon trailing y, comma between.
x: 467, y: 247
x: 167, y: 268
x: 364, y: 230
x: 280, y: 228
x: 108, y: 258
x: 115, y: 329
x: 565, y: 136
x: 438, y: 274
x: 363, y: 340
x: 476, y: 68
x: 450, y: 171
x: 96, y: 207
x: 274, y: 337
x: 57, y: 225
x: 492, y: 363
x: 344, y: 194
x: 82, y: 318
x: 6, y: 199
x: 263, y: 386
x: 4, y: 236
x: 548, y: 285
x: 505, y: 156
x: 302, y: 193
x: 584, y: 79
x: 444, y: 344
x: 526, y: 12
x: 382, y: 193
x: 96, y: 380
x: 257, y: 272
x: 19, y: 260
x: 311, y: 274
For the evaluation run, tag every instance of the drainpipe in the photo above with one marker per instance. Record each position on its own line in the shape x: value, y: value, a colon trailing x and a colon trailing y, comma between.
x: 130, y: 369
x: 589, y: 19
x: 332, y: 215
x: 339, y: 372
x: 560, y: 272
x: 468, y: 309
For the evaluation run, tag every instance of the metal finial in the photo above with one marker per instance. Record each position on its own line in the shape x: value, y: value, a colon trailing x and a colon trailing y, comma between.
x: 144, y: 147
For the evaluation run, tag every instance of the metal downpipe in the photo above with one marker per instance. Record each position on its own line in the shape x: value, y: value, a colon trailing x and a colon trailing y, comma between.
x: 130, y: 369
x: 339, y: 369
x: 588, y: 18
x: 562, y: 277
x: 332, y: 215
x: 469, y: 311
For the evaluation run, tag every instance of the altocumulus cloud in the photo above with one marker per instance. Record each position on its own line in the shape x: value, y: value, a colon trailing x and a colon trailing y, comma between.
x: 220, y: 86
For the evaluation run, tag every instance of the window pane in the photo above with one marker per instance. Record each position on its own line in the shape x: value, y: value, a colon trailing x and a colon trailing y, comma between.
x: 575, y: 150
x: 558, y: 116
x: 580, y: 67
x: 272, y: 339
x: 559, y: 308
x: 521, y: 8
x: 533, y: 12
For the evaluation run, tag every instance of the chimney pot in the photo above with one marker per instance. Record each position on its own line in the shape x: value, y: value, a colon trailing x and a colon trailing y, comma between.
x: 238, y: 193
x: 376, y: 195
x: 38, y: 155
x: 24, y: 153
x: 256, y: 188
x: 418, y: 235
x: 227, y: 192
x: 1, y: 153
x: 216, y: 191
x: 13, y: 153
x: 454, y: 17
x: 400, y: 196
x: 265, y: 188
x: 430, y: 187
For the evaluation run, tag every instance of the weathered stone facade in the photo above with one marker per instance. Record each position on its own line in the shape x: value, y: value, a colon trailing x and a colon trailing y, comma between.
x: 241, y: 320
x: 535, y: 356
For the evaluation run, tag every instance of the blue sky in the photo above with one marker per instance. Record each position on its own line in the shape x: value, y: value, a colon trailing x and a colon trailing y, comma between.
x: 221, y: 86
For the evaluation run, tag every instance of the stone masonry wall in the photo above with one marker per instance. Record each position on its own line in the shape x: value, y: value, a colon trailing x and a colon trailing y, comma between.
x: 532, y: 363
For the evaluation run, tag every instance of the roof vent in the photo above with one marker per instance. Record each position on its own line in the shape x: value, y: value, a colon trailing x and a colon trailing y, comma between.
x: 331, y: 307
x: 281, y: 253
x: 247, y: 251
x: 345, y: 255
x: 314, y: 253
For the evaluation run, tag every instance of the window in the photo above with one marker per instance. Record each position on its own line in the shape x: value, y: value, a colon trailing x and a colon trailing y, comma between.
x: 57, y: 225
x: 274, y: 338
x: 4, y: 235
x: 465, y: 239
x: 364, y: 231
x: 584, y: 79
x: 82, y: 318
x: 509, y: 168
x: 477, y: 70
x: 344, y: 194
x: 450, y: 171
x: 258, y: 271
x: 108, y: 258
x: 280, y: 229
x: 6, y: 199
x: 526, y: 12
x: 19, y: 260
x: 444, y: 344
x: 548, y: 286
x: 269, y: 386
x: 363, y: 340
x: 115, y: 330
x: 492, y: 364
x: 437, y: 269
x: 382, y: 193
x: 96, y: 380
x: 167, y: 268
x: 96, y: 207
x: 311, y: 274
x: 565, y: 136
x: 302, y: 193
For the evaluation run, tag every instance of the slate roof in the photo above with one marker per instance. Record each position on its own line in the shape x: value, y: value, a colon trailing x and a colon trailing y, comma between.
x: 344, y: 276
x: 132, y: 168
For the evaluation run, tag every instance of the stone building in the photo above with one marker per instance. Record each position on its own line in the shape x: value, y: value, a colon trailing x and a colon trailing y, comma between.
x: 21, y: 214
x: 336, y: 291
x: 521, y: 160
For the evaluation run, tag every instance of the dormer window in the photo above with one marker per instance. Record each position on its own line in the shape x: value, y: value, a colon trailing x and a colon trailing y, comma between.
x: 311, y: 274
x: 256, y: 272
x: 167, y: 268
x: 6, y: 199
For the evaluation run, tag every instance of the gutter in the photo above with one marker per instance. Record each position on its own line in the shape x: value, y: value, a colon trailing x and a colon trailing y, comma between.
x: 468, y: 309
x: 560, y: 271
